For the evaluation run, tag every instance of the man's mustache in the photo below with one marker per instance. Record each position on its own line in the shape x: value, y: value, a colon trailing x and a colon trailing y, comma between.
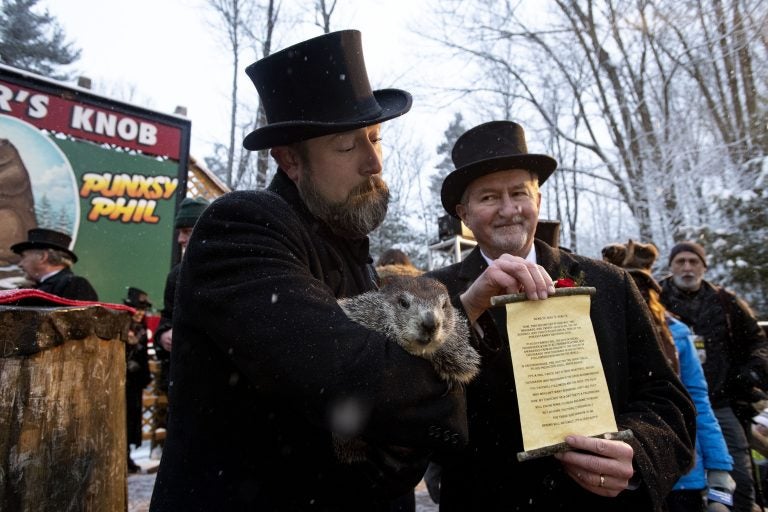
x: 512, y: 221
x: 369, y: 186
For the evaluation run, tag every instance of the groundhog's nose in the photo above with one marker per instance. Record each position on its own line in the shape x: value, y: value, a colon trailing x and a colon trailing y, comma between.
x: 428, y: 326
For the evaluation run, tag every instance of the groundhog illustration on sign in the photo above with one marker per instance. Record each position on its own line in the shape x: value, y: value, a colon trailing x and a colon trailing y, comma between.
x: 415, y: 312
x: 17, y: 205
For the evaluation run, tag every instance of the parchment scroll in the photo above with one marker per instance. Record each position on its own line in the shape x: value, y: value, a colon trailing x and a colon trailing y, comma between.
x: 561, y: 387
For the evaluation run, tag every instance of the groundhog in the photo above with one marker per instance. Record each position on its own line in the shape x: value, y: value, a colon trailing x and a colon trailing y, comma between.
x: 415, y: 312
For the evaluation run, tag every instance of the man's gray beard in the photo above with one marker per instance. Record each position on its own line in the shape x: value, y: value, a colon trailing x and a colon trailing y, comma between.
x: 685, y: 286
x: 515, y: 243
x: 360, y: 213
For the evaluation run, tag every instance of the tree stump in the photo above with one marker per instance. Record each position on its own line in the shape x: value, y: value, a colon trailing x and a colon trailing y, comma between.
x: 62, y: 409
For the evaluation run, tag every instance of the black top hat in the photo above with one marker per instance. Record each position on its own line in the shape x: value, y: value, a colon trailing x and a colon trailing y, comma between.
x: 319, y: 87
x: 549, y: 231
x: 137, y: 299
x: 41, y: 238
x: 487, y: 148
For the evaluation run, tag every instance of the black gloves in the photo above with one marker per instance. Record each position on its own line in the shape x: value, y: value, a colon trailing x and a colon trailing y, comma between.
x: 749, y: 383
x: 416, y: 409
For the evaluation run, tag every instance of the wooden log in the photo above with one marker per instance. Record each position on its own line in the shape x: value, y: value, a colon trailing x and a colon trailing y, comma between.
x: 62, y: 409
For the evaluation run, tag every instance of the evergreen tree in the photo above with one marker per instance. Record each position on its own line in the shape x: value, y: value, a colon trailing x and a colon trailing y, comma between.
x: 33, y: 42
x: 739, y: 255
x: 44, y: 213
x: 453, y: 132
x: 63, y: 222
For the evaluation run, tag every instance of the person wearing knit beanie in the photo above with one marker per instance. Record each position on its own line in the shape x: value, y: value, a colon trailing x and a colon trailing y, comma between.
x: 688, y: 263
x: 189, y: 211
x: 688, y: 246
x: 733, y: 350
x: 710, y: 476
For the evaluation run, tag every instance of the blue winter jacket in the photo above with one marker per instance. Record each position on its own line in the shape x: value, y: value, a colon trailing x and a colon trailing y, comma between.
x: 711, y: 450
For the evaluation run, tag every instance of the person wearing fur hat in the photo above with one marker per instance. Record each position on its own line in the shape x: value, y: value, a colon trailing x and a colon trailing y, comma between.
x: 266, y: 366
x: 637, y: 259
x: 733, y: 350
x: 47, y: 260
x: 708, y: 486
x: 494, y: 190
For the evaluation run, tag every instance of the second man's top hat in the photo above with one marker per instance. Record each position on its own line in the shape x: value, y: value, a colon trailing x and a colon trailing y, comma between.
x: 41, y: 238
x: 319, y: 87
x: 488, y: 148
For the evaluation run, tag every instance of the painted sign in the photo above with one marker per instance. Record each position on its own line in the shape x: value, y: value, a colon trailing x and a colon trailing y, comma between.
x: 107, y: 173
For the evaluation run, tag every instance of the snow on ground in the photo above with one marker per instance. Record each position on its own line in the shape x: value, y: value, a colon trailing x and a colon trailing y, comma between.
x: 140, y: 484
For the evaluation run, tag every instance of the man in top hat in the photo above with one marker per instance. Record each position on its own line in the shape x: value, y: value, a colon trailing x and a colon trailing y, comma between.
x: 733, y: 350
x: 47, y: 260
x: 265, y: 364
x: 189, y: 211
x: 494, y: 190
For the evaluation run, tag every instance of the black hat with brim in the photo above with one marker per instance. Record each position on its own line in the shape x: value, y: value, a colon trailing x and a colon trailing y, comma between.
x: 41, y: 238
x: 319, y: 87
x: 488, y: 148
x: 137, y: 299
